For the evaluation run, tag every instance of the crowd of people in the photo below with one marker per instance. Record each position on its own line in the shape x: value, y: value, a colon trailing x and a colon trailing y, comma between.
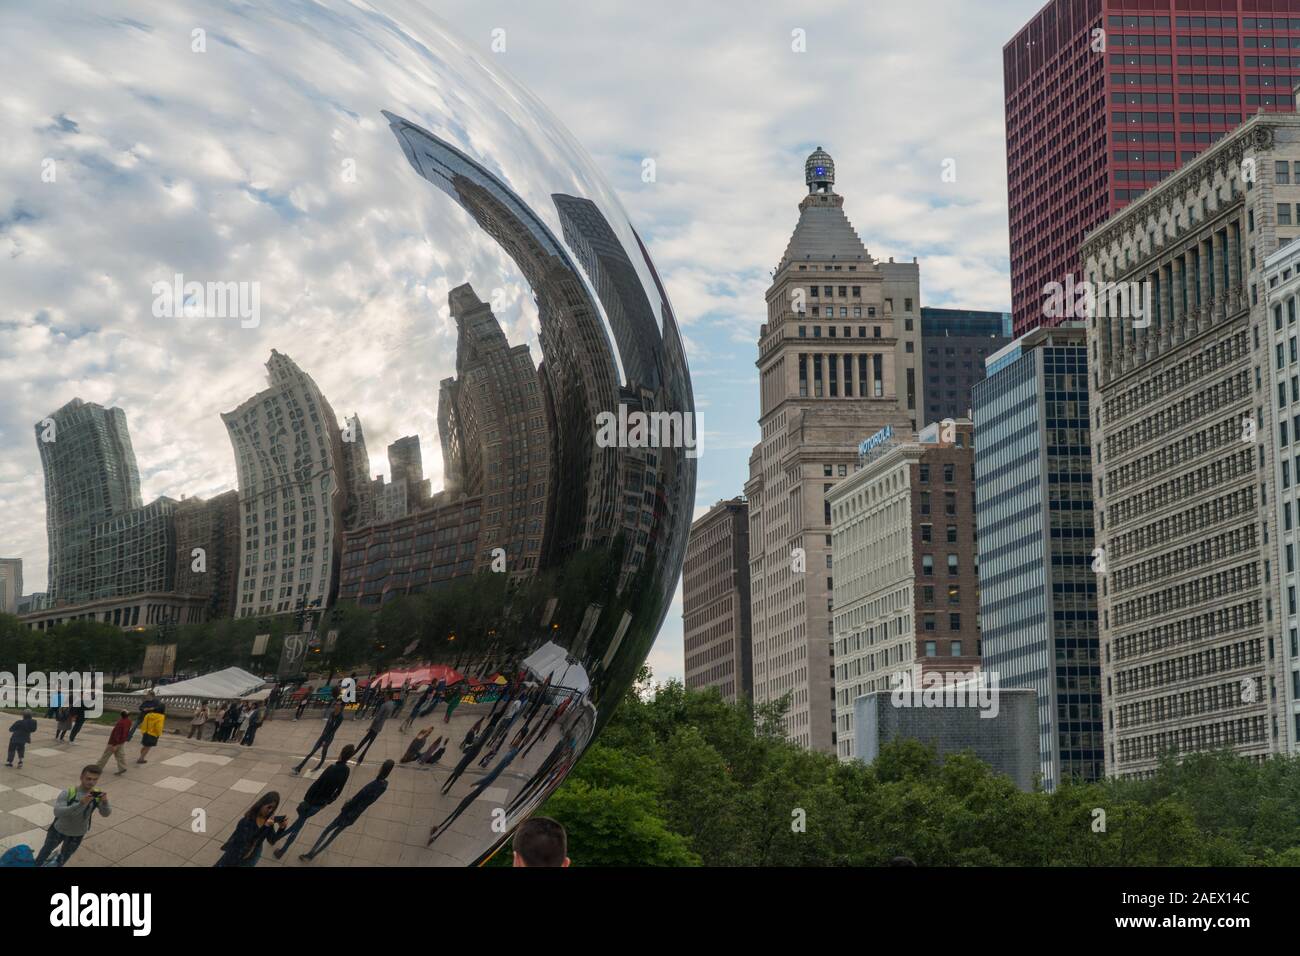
x: 522, y: 714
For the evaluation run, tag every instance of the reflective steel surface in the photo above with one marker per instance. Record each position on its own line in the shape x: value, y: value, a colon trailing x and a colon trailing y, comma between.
x: 268, y: 231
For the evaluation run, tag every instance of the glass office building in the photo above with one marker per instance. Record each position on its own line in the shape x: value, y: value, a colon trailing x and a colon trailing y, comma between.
x: 1038, y: 592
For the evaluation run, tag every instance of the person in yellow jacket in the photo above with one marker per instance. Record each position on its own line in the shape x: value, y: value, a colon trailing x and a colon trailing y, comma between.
x: 151, y: 728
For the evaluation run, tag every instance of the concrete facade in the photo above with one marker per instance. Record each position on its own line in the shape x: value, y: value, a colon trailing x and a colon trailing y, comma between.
x: 292, y: 492
x: 906, y: 589
x: 1192, y: 603
x: 213, y: 526
x: 834, y: 367
x: 715, y: 602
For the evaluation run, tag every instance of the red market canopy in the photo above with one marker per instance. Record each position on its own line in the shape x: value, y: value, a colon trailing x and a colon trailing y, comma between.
x: 418, y: 676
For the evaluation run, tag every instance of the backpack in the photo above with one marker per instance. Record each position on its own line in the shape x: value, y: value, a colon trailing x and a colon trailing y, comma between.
x: 20, y: 855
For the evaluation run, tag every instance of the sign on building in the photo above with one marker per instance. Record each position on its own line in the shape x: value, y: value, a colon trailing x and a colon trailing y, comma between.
x: 292, y: 655
x: 869, y: 444
x: 159, y: 661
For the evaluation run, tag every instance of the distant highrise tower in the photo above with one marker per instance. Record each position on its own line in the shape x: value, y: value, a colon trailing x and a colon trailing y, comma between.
x: 1103, y: 102
x: 359, y: 511
x: 11, y: 584
x: 408, y: 492
x: 636, y: 330
x: 715, y: 602
x: 496, y: 442
x: 837, y: 360
x: 212, y: 526
x: 956, y: 343
x: 292, y: 492
x: 1038, y: 592
x: 90, y: 476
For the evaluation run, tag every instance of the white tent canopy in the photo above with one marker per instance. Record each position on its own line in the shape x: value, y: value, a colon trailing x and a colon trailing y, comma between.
x: 223, y: 684
x: 551, y: 660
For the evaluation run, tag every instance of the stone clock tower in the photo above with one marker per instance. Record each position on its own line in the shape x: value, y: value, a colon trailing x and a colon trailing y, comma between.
x: 838, y: 359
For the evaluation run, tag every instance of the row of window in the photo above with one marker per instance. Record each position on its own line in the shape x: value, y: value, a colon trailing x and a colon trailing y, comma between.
x: 1201, y: 23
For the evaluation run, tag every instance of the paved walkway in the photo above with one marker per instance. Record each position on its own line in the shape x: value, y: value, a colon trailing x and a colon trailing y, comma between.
x: 154, y: 819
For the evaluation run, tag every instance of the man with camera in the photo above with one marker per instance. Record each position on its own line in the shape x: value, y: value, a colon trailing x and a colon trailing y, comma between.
x: 73, y: 811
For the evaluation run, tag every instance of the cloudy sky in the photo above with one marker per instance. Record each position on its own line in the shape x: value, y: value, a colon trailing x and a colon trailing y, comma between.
x: 715, y: 94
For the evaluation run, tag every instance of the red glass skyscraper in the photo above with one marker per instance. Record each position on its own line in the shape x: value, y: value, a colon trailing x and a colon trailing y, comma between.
x: 1105, y: 98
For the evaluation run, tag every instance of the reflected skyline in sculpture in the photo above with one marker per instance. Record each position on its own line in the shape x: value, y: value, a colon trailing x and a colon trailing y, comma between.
x: 525, y: 551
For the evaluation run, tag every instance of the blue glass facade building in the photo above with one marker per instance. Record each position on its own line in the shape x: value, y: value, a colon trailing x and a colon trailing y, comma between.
x: 1038, y: 592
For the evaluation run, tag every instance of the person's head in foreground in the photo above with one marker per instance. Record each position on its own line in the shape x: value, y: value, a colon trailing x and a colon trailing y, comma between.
x: 541, y: 841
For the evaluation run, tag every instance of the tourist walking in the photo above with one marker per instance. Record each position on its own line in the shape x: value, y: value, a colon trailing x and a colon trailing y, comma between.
x: 351, y: 811
x: 117, y: 739
x: 323, y: 791
x: 147, y: 706
x: 332, y: 724
x: 255, y: 720
x: 64, y: 723
x: 78, y: 719
x: 20, y: 735
x: 376, y: 725
x: 151, y: 729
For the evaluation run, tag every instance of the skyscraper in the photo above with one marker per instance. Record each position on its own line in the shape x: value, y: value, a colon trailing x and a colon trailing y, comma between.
x: 715, y: 602
x: 837, y: 361
x: 213, y: 527
x: 1103, y: 102
x: 90, y: 476
x: 1193, y: 450
x: 495, y: 436
x: 408, y: 492
x: 1038, y: 593
x: 292, y: 492
x: 636, y: 330
x: 956, y: 342
x: 359, y: 510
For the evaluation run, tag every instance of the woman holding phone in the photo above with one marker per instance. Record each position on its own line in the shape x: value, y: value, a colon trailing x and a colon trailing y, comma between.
x: 259, y: 825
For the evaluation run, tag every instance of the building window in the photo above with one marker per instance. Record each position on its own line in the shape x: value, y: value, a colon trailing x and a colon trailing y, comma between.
x: 927, y: 565
x: 931, y: 648
x: 954, y: 622
x: 952, y: 564
x: 927, y: 533
x: 954, y: 648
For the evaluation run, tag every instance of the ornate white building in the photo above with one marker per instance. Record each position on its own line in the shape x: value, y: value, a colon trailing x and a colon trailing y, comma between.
x: 292, y: 492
